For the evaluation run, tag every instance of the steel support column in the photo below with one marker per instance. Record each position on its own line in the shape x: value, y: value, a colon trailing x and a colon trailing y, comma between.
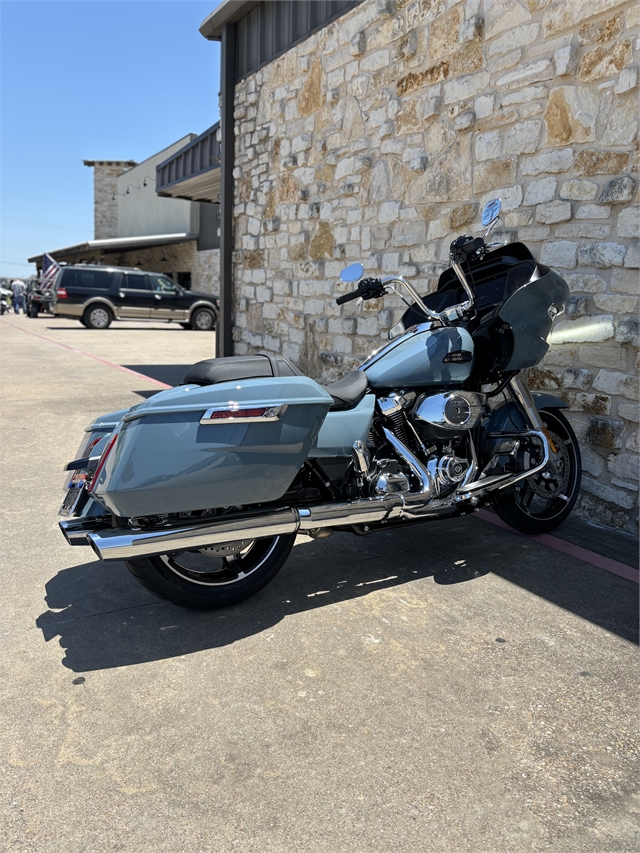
x: 224, y: 339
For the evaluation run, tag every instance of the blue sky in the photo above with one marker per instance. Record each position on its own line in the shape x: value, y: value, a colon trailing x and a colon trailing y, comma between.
x: 91, y: 79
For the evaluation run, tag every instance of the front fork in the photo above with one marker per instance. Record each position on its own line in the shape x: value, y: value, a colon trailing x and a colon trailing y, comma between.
x: 522, y: 395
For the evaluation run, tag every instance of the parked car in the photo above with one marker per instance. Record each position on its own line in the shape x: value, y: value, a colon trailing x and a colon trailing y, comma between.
x: 96, y: 295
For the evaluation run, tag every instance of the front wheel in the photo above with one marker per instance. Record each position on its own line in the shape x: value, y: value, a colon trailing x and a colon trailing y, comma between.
x: 542, y: 502
x: 213, y: 577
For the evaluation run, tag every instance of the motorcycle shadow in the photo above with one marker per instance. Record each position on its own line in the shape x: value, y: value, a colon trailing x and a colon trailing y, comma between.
x: 105, y: 619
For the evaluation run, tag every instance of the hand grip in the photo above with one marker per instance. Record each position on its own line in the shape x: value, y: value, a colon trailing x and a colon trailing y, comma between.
x: 347, y: 297
x: 472, y: 245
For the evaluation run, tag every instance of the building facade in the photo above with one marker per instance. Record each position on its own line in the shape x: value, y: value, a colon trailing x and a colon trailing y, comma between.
x: 379, y: 137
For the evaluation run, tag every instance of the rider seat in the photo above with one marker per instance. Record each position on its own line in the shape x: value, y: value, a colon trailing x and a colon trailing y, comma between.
x: 346, y: 393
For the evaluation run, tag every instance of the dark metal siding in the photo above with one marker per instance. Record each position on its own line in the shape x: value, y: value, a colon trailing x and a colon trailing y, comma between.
x: 274, y: 26
x: 209, y: 236
x: 198, y: 156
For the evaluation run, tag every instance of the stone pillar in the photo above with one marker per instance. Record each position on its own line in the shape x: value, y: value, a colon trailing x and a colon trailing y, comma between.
x: 105, y: 195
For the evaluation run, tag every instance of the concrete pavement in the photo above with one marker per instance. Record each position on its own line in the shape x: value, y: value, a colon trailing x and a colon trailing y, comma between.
x: 449, y: 687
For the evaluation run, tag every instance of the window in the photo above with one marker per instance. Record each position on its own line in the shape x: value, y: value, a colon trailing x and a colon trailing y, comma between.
x: 134, y: 282
x: 161, y: 284
x: 93, y: 279
x: 184, y: 280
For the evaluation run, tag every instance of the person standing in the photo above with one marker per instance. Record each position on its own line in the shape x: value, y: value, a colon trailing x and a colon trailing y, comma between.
x: 18, y: 290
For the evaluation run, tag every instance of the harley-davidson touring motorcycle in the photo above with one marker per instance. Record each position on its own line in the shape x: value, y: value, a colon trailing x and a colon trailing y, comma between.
x: 201, y: 489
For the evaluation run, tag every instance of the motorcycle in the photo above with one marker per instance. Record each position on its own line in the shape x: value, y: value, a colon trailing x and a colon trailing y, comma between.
x: 202, y: 489
x: 5, y: 297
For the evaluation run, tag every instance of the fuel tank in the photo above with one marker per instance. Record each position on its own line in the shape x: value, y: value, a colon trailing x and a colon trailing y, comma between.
x: 422, y: 356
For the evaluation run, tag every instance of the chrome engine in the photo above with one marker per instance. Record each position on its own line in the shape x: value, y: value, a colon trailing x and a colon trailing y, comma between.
x: 451, y: 410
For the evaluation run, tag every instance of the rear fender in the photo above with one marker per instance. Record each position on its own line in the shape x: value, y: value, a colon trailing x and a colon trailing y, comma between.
x: 508, y: 416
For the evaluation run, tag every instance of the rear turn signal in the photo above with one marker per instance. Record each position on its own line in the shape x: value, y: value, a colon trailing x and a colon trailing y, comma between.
x: 61, y: 293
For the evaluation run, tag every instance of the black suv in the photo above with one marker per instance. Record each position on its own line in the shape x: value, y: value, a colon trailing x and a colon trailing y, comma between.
x: 95, y: 295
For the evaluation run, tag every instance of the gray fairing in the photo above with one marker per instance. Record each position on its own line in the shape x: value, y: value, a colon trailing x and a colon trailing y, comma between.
x: 527, y: 312
x: 508, y: 416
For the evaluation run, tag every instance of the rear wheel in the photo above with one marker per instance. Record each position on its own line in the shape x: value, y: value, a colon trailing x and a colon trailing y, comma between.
x: 97, y: 317
x: 542, y: 502
x: 203, y: 320
x: 213, y: 577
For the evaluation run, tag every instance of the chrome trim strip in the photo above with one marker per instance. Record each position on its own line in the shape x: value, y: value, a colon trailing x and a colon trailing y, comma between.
x: 271, y: 414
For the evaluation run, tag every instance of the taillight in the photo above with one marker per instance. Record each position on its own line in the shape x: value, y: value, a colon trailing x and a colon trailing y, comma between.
x: 237, y: 414
x: 61, y: 293
x: 102, y: 462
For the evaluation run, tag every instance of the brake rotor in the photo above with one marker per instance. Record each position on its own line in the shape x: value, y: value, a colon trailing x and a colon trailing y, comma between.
x: 226, y: 549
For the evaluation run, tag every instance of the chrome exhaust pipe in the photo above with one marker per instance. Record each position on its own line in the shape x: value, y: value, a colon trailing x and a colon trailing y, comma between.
x: 123, y: 543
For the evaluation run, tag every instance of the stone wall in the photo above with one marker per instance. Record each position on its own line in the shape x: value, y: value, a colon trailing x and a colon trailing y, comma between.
x: 380, y: 137
x: 105, y: 195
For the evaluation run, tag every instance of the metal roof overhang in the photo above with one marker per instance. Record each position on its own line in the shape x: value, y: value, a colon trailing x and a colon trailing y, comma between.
x: 117, y: 244
x: 228, y: 12
x: 203, y: 186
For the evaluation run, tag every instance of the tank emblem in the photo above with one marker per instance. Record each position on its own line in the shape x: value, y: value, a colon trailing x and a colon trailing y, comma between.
x: 458, y: 357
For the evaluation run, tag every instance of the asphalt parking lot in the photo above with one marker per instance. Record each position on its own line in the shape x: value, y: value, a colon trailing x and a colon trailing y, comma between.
x: 454, y: 687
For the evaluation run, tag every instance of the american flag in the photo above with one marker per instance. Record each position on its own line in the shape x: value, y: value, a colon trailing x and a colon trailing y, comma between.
x: 49, y: 270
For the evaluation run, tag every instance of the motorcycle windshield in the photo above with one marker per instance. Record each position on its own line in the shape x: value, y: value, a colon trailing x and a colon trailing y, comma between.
x: 530, y: 312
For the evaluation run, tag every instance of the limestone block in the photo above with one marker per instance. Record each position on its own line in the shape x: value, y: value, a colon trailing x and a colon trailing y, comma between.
x: 577, y: 190
x: 559, y: 253
x: 629, y: 222
x: 578, y: 306
x: 601, y: 255
x: 624, y: 465
x: 565, y: 60
x: 608, y: 493
x: 483, y: 106
x: 603, y: 30
x: 633, y: 442
x: 603, y: 356
x: 632, y: 258
x: 616, y: 304
x: 571, y: 115
x: 628, y: 331
x: 593, y: 211
x: 543, y: 379
x: 540, y: 191
x: 617, y: 383
x: 627, y: 81
x: 553, y: 211
x: 590, y: 161
x: 389, y: 211
x: 489, y: 145
x: 447, y: 177
x: 558, y: 160
x: 587, y: 329
x: 409, y: 233
x: 592, y: 230
x: 583, y: 283
x: 493, y: 174
x: 463, y: 88
x: 522, y: 138
x: 576, y: 377
x: 625, y: 281
x: 580, y: 401
x: 568, y: 16
x: 533, y: 72
x: 629, y: 411
x: 501, y: 15
x: 464, y: 120
x: 559, y: 357
x: 592, y: 462
x: 534, y: 234
x: 518, y: 37
x: 606, y: 432
x: 605, y: 61
x: 358, y: 43
x: 622, y: 127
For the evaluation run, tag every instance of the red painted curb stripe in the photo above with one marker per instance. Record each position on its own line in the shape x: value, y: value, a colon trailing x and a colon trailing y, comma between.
x: 88, y: 355
x: 568, y: 548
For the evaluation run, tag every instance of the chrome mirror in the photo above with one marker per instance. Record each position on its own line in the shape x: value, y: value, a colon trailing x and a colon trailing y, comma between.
x: 491, y: 211
x: 352, y: 273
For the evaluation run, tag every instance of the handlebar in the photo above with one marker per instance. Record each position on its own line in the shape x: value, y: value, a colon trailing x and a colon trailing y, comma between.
x: 347, y: 297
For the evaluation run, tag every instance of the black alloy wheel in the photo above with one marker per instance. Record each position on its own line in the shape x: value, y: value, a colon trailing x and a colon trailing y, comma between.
x: 97, y: 317
x: 213, y: 577
x: 542, y: 502
x: 203, y: 320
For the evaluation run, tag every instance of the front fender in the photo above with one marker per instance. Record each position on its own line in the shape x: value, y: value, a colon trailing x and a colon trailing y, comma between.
x: 508, y: 415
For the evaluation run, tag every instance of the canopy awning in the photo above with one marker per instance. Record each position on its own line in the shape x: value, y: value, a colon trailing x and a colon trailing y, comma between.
x: 115, y: 244
x: 193, y: 172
